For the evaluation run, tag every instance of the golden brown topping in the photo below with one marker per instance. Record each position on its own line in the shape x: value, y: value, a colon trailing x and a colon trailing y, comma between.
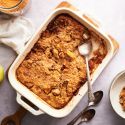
x: 29, y: 84
x: 56, y: 92
x: 55, y: 53
x: 54, y: 65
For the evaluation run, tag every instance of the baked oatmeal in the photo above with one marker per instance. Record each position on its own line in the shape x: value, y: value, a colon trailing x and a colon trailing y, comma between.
x: 54, y: 70
x: 122, y: 98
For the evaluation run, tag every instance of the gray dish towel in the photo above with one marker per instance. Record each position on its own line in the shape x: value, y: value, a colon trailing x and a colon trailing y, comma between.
x: 15, y: 31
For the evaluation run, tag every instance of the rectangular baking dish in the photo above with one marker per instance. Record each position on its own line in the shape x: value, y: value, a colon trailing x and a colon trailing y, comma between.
x: 37, y: 101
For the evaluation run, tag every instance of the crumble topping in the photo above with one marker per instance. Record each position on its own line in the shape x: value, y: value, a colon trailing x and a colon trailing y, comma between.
x: 54, y: 70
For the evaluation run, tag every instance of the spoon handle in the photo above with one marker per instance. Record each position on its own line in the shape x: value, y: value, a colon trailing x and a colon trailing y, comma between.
x: 75, y: 119
x: 81, y: 122
x: 90, y: 93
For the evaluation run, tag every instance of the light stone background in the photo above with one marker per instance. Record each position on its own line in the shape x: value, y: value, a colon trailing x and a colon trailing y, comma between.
x: 111, y: 14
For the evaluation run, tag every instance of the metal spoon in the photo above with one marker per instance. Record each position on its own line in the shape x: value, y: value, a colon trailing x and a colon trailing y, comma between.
x: 85, y: 50
x: 87, y: 116
x: 98, y: 97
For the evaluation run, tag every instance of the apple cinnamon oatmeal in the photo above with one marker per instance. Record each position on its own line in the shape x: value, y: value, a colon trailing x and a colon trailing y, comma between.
x: 54, y: 70
x: 122, y: 98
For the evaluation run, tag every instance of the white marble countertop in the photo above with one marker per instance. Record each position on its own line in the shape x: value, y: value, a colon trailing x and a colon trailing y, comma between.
x: 111, y: 14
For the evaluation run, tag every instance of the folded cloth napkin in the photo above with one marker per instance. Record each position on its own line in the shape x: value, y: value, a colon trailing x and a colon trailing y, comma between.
x: 15, y: 31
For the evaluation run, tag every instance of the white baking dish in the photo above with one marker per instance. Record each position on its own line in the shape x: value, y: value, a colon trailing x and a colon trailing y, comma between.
x: 37, y: 101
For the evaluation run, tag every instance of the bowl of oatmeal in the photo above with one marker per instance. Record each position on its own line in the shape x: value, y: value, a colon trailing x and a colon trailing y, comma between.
x: 117, y: 94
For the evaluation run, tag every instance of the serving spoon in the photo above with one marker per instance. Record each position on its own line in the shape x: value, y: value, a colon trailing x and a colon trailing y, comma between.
x: 85, y: 50
x: 98, y: 97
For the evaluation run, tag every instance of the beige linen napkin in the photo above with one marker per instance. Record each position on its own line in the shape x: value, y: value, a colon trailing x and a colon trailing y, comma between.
x: 15, y: 31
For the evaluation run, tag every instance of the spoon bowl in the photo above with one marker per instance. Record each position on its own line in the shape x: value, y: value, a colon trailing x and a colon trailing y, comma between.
x: 86, y: 48
x: 98, y: 97
x: 87, y: 116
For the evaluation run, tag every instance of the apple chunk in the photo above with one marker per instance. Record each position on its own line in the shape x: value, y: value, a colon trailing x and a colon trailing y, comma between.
x: 1, y: 73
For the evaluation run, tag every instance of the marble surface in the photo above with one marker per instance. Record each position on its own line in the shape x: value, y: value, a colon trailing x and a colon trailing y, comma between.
x: 112, y: 17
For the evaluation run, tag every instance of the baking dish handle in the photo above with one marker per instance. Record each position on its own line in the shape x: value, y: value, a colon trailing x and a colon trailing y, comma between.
x: 27, y: 106
x: 93, y: 21
x: 90, y: 19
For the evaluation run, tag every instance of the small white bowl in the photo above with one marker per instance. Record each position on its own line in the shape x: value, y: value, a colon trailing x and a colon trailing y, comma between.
x: 117, y: 84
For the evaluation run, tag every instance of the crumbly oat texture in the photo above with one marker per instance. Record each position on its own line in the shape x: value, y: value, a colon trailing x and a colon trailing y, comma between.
x: 122, y: 98
x: 54, y: 70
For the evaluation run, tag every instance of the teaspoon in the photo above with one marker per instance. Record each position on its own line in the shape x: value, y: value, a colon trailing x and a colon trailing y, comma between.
x: 87, y: 116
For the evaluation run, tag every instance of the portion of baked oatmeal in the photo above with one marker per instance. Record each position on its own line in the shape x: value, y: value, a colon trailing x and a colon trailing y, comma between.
x: 54, y: 70
x: 122, y: 98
